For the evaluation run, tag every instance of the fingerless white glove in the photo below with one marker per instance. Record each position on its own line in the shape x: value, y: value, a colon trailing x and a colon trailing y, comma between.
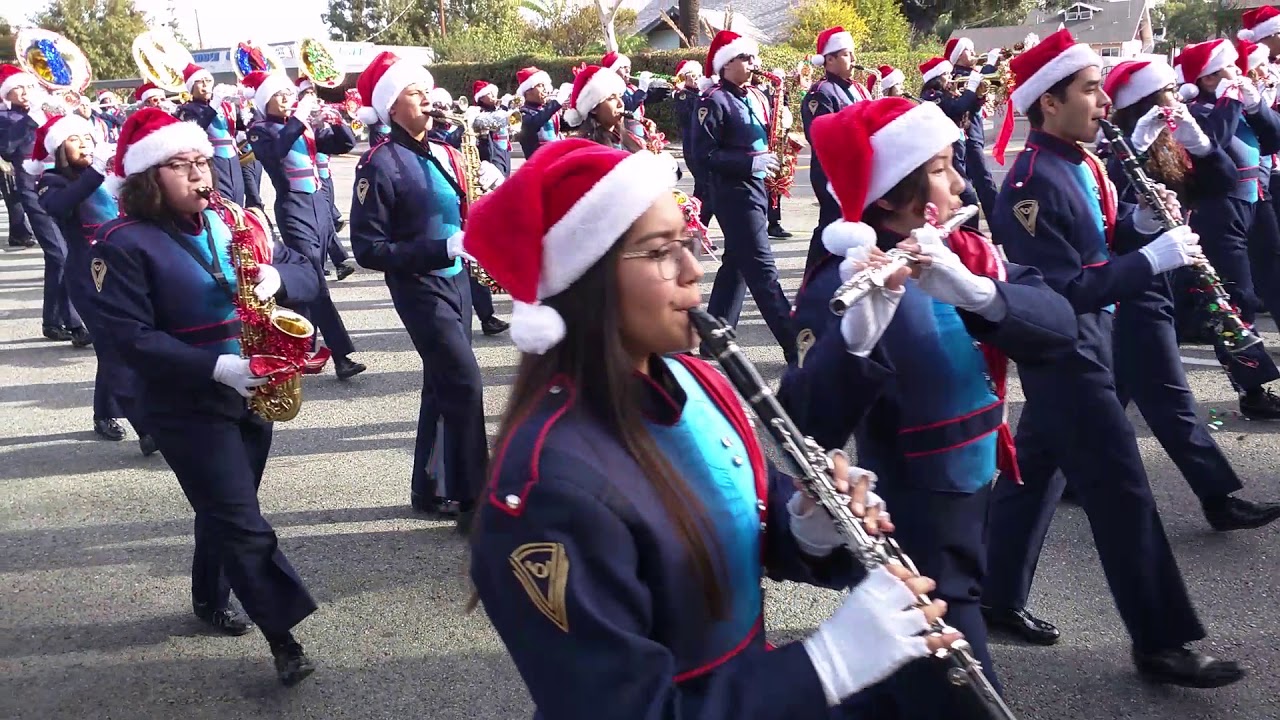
x: 993, y: 57
x: 875, y: 632
x: 764, y: 162
x: 1189, y: 134
x: 865, y: 321
x: 268, y: 283
x: 454, y: 247
x: 815, y: 532
x: 305, y: 108
x: 1147, y: 129
x: 947, y: 280
x: 1174, y: 249
x: 490, y: 176
x: 233, y: 371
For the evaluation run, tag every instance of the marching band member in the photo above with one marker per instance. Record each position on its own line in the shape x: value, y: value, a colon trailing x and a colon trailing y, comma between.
x: 406, y: 222
x: 891, y: 81
x: 1058, y: 213
x: 74, y: 194
x: 342, y: 264
x: 1264, y: 236
x: 595, y: 110
x: 785, y: 120
x: 540, y: 112
x: 165, y: 295
x: 618, y: 552
x: 444, y: 131
x: 830, y: 94
x: 937, y: 435
x: 18, y: 125
x: 959, y: 51
x: 250, y: 167
x: 106, y: 124
x: 214, y: 109
x: 285, y: 143
x: 733, y: 144
x: 633, y: 95
x: 685, y: 97
x: 961, y: 105
x: 148, y: 95
x: 1148, y: 367
x: 492, y: 126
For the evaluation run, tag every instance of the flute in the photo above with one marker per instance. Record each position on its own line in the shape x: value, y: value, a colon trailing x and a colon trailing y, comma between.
x: 868, y: 279
x: 811, y: 466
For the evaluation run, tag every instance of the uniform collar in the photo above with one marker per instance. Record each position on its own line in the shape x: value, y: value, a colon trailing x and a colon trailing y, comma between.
x: 660, y: 395
x: 735, y: 90
x: 1067, y: 150
x: 837, y: 80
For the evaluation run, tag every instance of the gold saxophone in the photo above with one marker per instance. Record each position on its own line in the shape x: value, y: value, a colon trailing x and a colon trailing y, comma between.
x: 781, y: 143
x: 471, y: 165
x: 274, y: 339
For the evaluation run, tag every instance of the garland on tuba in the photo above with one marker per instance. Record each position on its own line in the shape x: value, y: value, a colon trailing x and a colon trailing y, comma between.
x: 276, y: 341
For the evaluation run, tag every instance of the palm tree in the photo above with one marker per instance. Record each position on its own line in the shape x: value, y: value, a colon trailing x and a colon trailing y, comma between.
x: 690, y: 11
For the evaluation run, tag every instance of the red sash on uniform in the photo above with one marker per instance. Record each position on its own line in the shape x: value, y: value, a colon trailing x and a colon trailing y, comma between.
x: 1108, y: 192
x: 980, y: 257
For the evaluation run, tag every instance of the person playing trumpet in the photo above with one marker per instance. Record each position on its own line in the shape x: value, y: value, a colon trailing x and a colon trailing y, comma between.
x: 960, y: 53
x: 214, y: 109
x: 343, y: 267
x: 540, y: 111
x: 492, y: 124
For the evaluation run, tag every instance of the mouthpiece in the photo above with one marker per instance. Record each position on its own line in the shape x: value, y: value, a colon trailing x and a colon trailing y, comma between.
x: 205, y: 192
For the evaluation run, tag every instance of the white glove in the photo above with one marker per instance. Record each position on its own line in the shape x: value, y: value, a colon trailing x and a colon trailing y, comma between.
x: 454, y: 247
x: 1176, y: 248
x: 1188, y: 133
x: 765, y: 162
x: 785, y: 117
x: 1145, y: 219
x: 268, y: 283
x: 564, y: 93
x: 305, y: 108
x: 1250, y: 96
x: 1229, y: 88
x: 241, y: 137
x: 947, y: 280
x: 875, y: 632
x: 490, y: 176
x: 993, y: 57
x: 814, y: 531
x: 975, y: 79
x: 1147, y: 129
x: 644, y: 80
x: 223, y: 92
x: 233, y: 371
x: 102, y: 154
x: 866, y: 320
x: 168, y: 107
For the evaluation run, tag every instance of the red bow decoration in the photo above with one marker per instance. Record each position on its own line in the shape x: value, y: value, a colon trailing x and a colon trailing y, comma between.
x: 273, y: 367
x: 581, y: 66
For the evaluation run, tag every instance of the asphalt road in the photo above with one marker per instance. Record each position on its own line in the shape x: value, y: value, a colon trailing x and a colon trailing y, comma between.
x: 95, y: 546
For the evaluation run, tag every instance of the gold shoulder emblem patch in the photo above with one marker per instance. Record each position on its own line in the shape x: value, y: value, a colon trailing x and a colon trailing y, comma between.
x: 804, y: 341
x: 813, y: 106
x: 1026, y: 213
x: 98, y: 268
x: 543, y: 570
x: 362, y: 189
x: 702, y: 115
x: 44, y: 189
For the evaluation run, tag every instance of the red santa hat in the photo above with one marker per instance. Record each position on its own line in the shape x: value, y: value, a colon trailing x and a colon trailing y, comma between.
x: 151, y: 136
x: 890, y: 77
x: 382, y: 82
x: 304, y: 84
x: 530, y: 77
x: 955, y: 47
x: 1199, y: 59
x: 591, y: 87
x: 266, y: 85
x: 1037, y: 69
x: 1133, y: 80
x: 1250, y: 56
x: 935, y: 68
x: 193, y: 74
x: 831, y: 40
x: 107, y: 97
x: 615, y: 61
x: 551, y: 221
x: 480, y: 88
x: 146, y: 91
x: 726, y: 46
x: 1260, y: 23
x: 689, y: 67
x: 50, y: 136
x: 868, y: 148
x: 12, y: 77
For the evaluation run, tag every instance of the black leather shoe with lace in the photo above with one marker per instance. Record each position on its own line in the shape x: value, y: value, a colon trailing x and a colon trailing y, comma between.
x: 108, y: 429
x: 1260, y: 404
x: 1187, y: 668
x: 225, y: 620
x: 292, y: 664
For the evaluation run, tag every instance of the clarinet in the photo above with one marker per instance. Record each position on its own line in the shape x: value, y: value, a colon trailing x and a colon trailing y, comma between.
x: 1230, y: 329
x: 811, y: 465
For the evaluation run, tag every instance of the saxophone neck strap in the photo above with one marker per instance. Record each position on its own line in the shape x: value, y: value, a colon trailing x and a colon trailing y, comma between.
x: 210, y: 264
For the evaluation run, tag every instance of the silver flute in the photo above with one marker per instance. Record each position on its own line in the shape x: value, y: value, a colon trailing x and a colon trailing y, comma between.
x: 866, y: 280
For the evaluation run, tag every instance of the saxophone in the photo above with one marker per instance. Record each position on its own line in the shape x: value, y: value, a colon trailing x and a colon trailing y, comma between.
x: 276, y: 341
x: 780, y: 142
x: 471, y: 165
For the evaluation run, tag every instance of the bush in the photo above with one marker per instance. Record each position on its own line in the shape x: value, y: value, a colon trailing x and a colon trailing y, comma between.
x: 457, y: 77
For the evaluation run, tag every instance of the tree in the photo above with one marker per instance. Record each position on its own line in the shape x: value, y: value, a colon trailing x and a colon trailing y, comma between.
x: 607, y: 10
x: 875, y: 25
x: 923, y: 15
x: 1187, y: 21
x: 103, y: 29
x: 6, y: 42
x: 568, y: 31
x: 690, y: 22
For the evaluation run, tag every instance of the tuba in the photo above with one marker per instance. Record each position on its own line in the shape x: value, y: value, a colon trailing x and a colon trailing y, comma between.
x: 317, y: 61
x: 249, y: 57
x: 60, y: 67
x: 276, y: 341
x: 161, y: 59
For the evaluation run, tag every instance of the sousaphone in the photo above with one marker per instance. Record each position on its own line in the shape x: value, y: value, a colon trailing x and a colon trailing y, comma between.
x: 161, y: 59
x: 318, y: 62
x: 58, y: 64
x: 250, y: 56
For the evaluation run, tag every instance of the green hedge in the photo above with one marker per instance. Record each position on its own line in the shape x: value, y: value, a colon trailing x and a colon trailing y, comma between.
x: 458, y: 77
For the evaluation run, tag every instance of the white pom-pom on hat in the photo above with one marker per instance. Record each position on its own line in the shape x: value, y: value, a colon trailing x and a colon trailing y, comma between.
x: 817, y: 60
x: 1245, y: 34
x: 842, y: 236
x: 1188, y: 92
x: 536, y: 328
x: 34, y: 168
x: 368, y: 116
x: 572, y: 117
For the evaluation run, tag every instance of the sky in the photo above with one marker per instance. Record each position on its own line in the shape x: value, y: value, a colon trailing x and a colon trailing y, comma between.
x: 222, y: 22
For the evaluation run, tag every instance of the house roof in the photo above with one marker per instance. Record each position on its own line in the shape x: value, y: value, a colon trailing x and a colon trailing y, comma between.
x: 1113, y: 21
x: 765, y: 21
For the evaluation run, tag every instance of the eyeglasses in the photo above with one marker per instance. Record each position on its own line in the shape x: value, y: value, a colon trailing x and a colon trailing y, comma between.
x: 669, y: 257
x: 183, y: 167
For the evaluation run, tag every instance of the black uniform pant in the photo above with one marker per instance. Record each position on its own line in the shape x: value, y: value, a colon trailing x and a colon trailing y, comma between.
x: 1149, y: 371
x: 1073, y: 420
x: 1223, y: 224
x: 828, y: 212
x: 337, y: 254
x: 219, y: 464
x: 18, y: 230
x: 943, y: 533
x: 252, y: 174
x: 975, y: 166
x: 748, y: 262
x: 481, y: 299
x: 228, y: 178
x: 1264, y: 255
x: 58, y: 310
x: 437, y: 313
x: 702, y: 191
x: 307, y: 227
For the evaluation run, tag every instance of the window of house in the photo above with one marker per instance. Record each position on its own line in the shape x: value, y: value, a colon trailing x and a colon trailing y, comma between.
x: 1110, y: 52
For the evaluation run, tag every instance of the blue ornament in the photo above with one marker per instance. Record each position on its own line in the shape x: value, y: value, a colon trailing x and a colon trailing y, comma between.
x: 59, y: 73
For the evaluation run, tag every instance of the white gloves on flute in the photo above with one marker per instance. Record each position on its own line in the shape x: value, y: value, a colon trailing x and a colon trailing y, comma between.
x: 875, y: 632
x: 866, y: 320
x: 815, y: 532
x: 1188, y: 132
x: 233, y: 371
x: 1174, y: 249
x: 1147, y: 129
x: 947, y: 280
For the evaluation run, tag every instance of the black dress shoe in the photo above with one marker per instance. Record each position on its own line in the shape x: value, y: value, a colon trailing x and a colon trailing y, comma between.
x: 339, y: 225
x: 424, y: 503
x: 108, y: 429
x: 344, y: 270
x: 1260, y: 404
x: 346, y: 368
x: 292, y: 664
x: 777, y: 231
x: 147, y: 445
x: 1187, y: 668
x: 56, y: 332
x: 225, y: 620
x: 494, y: 326
x: 80, y: 337
x: 446, y: 508
x: 328, y: 272
x: 1019, y: 622
x: 1232, y: 513
x: 27, y: 242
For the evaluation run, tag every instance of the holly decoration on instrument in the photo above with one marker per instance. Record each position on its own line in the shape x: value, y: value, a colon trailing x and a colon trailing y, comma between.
x: 780, y: 183
x: 692, y: 209
x: 320, y: 63
x: 249, y: 59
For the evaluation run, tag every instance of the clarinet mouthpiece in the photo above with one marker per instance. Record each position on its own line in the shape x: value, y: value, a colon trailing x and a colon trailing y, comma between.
x: 205, y: 192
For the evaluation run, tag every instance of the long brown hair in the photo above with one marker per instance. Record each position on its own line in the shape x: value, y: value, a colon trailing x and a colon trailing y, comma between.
x: 592, y: 356
x: 1166, y: 160
x: 141, y: 197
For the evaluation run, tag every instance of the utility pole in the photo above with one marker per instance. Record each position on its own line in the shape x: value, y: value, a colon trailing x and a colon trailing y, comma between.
x: 199, y: 35
x: 443, y: 32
